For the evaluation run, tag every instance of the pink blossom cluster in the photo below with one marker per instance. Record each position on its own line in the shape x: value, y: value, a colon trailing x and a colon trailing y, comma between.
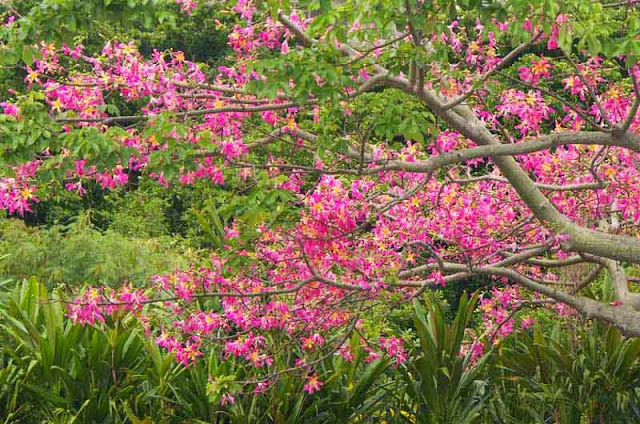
x: 10, y: 109
x: 530, y: 109
x: 540, y: 68
x: 497, y: 311
x: 393, y: 347
x: 187, y: 6
x: 15, y: 197
x: 96, y: 303
x: 17, y: 193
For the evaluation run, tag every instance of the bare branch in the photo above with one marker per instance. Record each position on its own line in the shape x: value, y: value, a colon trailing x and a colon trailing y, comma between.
x: 549, y: 187
x: 198, y: 112
x: 634, y: 107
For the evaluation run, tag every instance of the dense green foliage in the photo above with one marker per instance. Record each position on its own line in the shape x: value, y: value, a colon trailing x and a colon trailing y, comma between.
x: 568, y: 370
x: 57, y: 372
x: 77, y: 254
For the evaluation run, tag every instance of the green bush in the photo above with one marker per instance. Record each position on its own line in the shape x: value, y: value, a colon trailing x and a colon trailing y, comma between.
x: 56, y: 372
x: 443, y: 386
x: 78, y: 254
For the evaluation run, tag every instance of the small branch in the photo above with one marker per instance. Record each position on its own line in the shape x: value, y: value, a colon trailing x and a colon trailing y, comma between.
x: 550, y: 187
x: 200, y: 112
x: 337, y: 347
x: 296, y: 30
x: 634, y: 107
x: 571, y: 106
x: 593, y: 274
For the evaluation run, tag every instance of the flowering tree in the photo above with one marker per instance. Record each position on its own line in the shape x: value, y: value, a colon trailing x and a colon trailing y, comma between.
x: 408, y: 145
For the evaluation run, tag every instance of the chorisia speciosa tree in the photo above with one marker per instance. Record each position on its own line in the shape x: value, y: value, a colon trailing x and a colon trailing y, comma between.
x: 413, y: 143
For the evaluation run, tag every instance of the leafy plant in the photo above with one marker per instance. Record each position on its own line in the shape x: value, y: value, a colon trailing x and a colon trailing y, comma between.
x: 444, y: 386
x: 77, y: 254
x: 589, y: 373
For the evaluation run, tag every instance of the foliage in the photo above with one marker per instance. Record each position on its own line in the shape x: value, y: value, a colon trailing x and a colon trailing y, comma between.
x: 334, y: 159
x: 77, y: 254
x: 571, y: 375
x: 445, y: 386
x: 568, y: 371
x: 55, y: 371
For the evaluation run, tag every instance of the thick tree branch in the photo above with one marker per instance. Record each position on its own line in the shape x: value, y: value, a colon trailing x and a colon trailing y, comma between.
x: 579, y: 238
x: 622, y: 316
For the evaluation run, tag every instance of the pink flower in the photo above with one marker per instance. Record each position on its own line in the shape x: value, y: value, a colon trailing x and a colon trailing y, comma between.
x: 477, y: 350
x: 261, y: 387
x: 313, y: 384
x: 10, y: 109
x: 186, y: 6
x: 552, y: 44
x: 372, y: 356
x: 394, y: 349
x: 227, y: 398
x: 284, y: 49
x: 526, y: 323
x: 231, y: 233
x: 540, y: 68
x: 77, y: 187
x: 311, y: 342
x: 345, y: 352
